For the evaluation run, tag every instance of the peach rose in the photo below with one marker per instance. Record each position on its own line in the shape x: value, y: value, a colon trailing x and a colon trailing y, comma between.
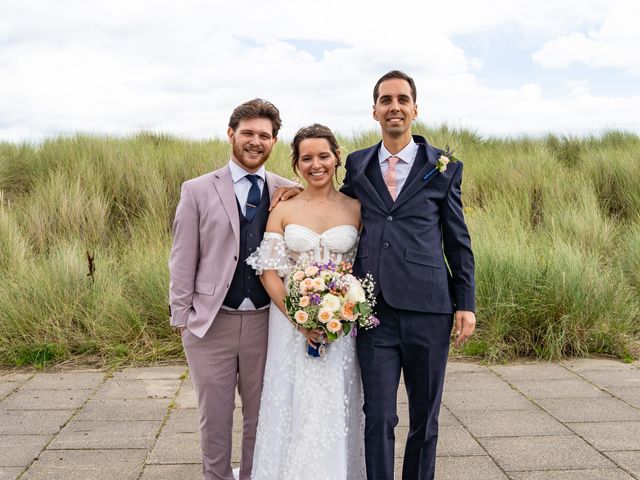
x: 304, y: 301
x: 318, y: 285
x: 324, y: 315
x: 301, y: 316
x: 311, y: 271
x: 306, y: 284
x: 298, y: 276
x: 347, y: 311
x: 334, y: 325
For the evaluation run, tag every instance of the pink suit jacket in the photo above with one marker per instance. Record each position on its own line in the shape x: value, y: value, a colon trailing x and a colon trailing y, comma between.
x: 205, y: 248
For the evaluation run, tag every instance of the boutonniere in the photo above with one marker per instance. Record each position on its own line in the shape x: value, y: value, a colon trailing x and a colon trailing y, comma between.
x: 445, y: 159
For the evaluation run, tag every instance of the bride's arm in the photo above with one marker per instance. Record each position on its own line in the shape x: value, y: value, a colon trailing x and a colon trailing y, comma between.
x: 271, y: 282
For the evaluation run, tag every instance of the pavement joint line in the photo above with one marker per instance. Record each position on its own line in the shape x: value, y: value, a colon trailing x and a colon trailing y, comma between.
x: 474, y: 437
x: 567, y: 424
x: 170, y: 408
x: 73, y: 415
x: 563, y: 365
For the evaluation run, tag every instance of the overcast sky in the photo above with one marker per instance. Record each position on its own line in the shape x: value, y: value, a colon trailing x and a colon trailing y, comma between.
x: 503, y: 67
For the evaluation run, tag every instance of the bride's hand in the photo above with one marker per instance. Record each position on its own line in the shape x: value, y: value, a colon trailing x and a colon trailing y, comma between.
x: 315, y: 335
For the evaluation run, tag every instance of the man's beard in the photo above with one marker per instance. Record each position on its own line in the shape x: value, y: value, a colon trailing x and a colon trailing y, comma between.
x: 242, y: 156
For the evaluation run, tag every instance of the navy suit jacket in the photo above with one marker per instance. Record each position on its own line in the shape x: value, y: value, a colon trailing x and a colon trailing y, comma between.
x: 404, y: 244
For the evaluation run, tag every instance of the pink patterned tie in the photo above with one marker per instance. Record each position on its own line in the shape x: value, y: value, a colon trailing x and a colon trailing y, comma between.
x: 390, y: 178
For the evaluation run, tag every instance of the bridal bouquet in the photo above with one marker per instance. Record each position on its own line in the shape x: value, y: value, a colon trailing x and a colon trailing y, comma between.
x: 329, y: 297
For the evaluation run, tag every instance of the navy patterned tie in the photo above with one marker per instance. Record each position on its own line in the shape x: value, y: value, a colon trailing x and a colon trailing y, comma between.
x: 253, y: 199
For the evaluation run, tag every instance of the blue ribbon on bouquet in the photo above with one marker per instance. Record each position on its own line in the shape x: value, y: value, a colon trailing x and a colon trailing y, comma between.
x: 316, y: 349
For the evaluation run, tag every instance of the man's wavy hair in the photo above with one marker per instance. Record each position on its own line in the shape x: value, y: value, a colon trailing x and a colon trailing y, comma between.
x: 256, y: 108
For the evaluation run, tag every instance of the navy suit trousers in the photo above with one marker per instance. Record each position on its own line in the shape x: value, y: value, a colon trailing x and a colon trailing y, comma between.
x: 416, y: 344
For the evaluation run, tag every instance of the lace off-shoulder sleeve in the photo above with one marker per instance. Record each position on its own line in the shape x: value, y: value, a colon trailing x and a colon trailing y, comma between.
x: 270, y: 255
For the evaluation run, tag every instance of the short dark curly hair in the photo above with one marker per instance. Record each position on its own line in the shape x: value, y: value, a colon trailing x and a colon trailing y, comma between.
x: 256, y: 108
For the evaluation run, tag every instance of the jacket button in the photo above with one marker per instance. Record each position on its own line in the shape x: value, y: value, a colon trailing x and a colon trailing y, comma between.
x: 389, y: 218
x: 385, y: 244
x: 235, y: 258
x: 227, y: 285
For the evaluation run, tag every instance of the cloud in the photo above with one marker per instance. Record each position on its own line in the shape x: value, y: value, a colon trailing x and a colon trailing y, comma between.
x: 614, y: 44
x: 123, y: 66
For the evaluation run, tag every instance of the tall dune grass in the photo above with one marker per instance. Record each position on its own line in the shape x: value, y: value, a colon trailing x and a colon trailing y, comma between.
x: 85, y: 237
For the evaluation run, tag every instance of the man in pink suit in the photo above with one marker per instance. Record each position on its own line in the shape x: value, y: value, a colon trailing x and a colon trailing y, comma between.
x: 217, y: 302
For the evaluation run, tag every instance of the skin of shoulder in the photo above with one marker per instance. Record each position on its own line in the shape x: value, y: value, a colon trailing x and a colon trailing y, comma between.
x: 277, y: 217
x: 352, y: 204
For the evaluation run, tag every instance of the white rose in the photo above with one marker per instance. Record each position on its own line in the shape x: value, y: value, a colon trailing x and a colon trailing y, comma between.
x: 331, y: 302
x: 356, y: 292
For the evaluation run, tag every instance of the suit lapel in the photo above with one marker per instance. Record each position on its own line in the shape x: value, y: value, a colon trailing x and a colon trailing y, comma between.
x: 368, y: 172
x: 272, y: 183
x: 425, y: 162
x: 223, y: 184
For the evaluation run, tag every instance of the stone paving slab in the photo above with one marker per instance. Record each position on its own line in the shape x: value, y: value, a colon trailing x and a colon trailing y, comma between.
x: 613, y: 378
x: 20, y: 450
x: 512, y: 424
x: 187, y: 396
x: 172, y: 472
x: 15, y: 377
x: 175, y: 372
x: 530, y: 420
x: 21, y: 422
x: 176, y: 448
x: 533, y: 372
x: 490, y: 400
x: 183, y: 420
x: 466, y: 381
x: 118, y: 389
x: 582, y: 364
x: 65, y: 381
x: 7, y: 388
x: 544, y: 453
x: 608, y: 436
x: 106, y: 435
x: 87, y: 465
x: 589, y: 409
x: 467, y: 468
x: 627, y: 460
x: 10, y: 473
x: 455, y: 441
x: 609, y: 474
x: 45, y: 399
x: 573, y: 388
x: 630, y: 395
x: 123, y: 409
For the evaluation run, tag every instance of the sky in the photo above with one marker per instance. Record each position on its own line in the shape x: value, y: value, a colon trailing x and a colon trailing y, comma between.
x: 499, y: 68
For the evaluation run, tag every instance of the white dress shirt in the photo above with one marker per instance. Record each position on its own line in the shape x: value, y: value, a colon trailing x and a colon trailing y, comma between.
x: 407, y: 156
x: 241, y: 187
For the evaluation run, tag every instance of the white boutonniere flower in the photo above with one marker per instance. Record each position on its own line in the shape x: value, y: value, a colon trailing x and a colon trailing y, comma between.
x: 441, y: 164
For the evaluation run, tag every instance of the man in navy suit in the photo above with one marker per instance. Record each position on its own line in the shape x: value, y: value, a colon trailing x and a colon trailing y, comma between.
x: 416, y: 244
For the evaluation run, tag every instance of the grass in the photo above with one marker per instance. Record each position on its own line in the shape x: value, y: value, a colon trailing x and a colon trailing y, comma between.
x: 555, y: 224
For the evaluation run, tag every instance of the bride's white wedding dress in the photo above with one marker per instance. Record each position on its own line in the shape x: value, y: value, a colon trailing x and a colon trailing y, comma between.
x: 311, y: 424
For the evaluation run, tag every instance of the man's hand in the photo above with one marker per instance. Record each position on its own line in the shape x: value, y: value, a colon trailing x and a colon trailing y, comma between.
x: 180, y: 330
x: 284, y: 193
x: 465, y: 324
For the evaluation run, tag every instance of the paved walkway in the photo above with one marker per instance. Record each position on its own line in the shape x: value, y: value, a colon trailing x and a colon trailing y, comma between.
x: 572, y: 420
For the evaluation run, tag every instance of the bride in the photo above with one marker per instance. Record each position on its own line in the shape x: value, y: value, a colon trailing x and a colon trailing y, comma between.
x: 311, y: 424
